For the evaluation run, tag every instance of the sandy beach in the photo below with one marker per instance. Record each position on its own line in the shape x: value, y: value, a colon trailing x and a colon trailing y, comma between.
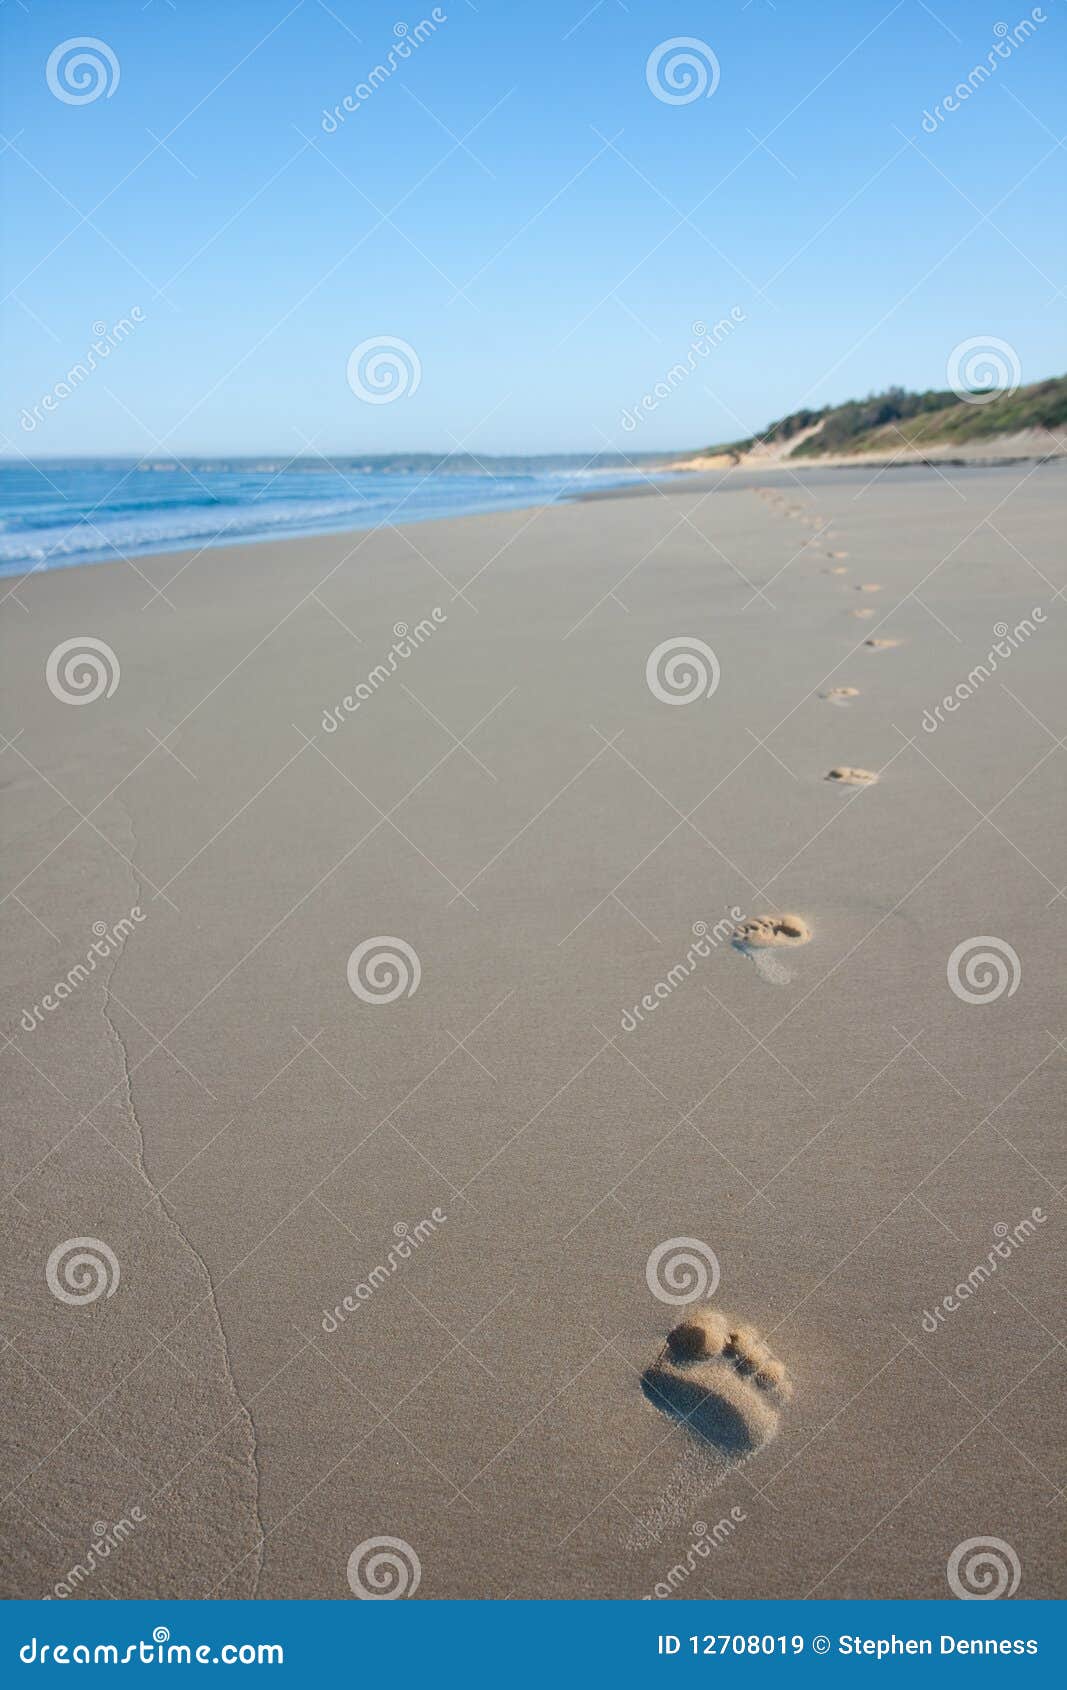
x: 498, y: 1130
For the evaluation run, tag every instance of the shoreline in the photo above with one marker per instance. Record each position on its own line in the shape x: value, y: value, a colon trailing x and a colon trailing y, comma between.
x: 670, y: 477
x: 278, y: 533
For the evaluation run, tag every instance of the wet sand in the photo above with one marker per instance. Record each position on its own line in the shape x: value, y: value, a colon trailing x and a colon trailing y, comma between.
x: 482, y: 1143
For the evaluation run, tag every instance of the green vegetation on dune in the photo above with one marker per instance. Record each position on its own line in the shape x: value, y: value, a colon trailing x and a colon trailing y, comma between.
x: 892, y: 420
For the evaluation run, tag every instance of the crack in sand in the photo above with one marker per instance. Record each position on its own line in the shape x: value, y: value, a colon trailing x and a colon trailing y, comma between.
x: 243, y: 1410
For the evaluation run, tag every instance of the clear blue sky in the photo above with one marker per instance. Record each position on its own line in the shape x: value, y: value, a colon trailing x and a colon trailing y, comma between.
x: 582, y: 276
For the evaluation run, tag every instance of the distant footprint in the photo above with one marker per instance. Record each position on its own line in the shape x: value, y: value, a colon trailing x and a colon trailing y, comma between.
x: 761, y: 930
x: 840, y: 570
x: 868, y: 587
x: 840, y: 695
x: 837, y: 554
x: 719, y: 1379
x: 861, y: 614
x: 881, y: 644
x: 761, y: 936
x: 852, y: 777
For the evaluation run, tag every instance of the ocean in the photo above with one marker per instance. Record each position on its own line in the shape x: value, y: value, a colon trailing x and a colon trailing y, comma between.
x: 55, y: 514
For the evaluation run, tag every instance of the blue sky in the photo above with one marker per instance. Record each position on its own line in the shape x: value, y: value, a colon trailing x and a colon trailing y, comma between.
x: 588, y: 223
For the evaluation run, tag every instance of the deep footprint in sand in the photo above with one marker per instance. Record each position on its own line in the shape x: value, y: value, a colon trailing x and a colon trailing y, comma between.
x: 881, y: 644
x: 840, y: 695
x: 762, y: 930
x: 846, y: 776
x: 761, y: 936
x: 719, y: 1379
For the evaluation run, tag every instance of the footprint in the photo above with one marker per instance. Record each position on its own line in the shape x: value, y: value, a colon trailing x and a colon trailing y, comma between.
x: 840, y: 695
x: 837, y: 554
x: 772, y: 930
x: 868, y: 587
x: 761, y: 935
x: 861, y: 613
x: 721, y: 1380
x: 840, y: 570
x: 881, y: 644
x: 852, y: 777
